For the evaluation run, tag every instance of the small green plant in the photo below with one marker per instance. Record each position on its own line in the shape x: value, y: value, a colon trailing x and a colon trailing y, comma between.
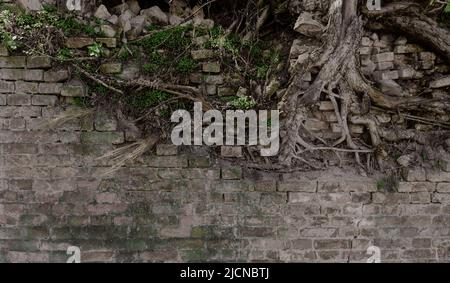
x: 148, y: 99
x: 84, y: 102
x: 70, y: 25
x: 156, y: 61
x: 243, y: 102
x: 7, y: 38
x: 100, y: 90
x: 128, y: 52
x: 174, y: 39
x: 64, y: 53
x: 186, y: 65
x: 389, y: 183
x: 381, y: 184
x: 95, y: 50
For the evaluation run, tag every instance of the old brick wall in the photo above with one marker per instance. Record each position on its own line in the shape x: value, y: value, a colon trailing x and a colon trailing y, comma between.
x: 182, y: 205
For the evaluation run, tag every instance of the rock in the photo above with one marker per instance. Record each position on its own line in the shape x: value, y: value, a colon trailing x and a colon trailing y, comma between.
x: 390, y: 87
x: 125, y: 20
x: 133, y: 5
x: 374, y: 37
x: 199, y: 12
x: 401, y: 41
x: 102, y: 13
x: 442, y: 82
x: 130, y: 71
x: 203, y: 23
x: 155, y: 14
x: 119, y: 9
x: 114, y: 20
x: 30, y: 5
x: 138, y: 24
x: 108, y: 31
x: 306, y: 25
x: 175, y: 20
x: 177, y: 8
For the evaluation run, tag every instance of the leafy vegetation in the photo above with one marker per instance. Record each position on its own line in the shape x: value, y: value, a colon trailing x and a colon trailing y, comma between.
x: 95, y: 50
x: 186, y: 65
x: 148, y: 99
x: 243, y: 103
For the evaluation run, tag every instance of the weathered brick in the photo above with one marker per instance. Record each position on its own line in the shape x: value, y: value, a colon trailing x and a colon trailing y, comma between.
x: 166, y: 149
x: 6, y: 87
x: 12, y: 62
x: 408, y: 187
x: 331, y: 244
x: 2, y: 99
x: 299, y: 186
x: 50, y: 88
x: 44, y: 100
x: 231, y: 151
x: 199, y: 161
x: 213, y: 79
x: 78, y: 42
x: 390, y: 198
x: 232, y: 173
x: 202, y: 54
x: 39, y: 62
x: 56, y: 75
x: 443, y: 188
x: 295, y: 197
x: 19, y: 99
x: 438, y: 176
x: 26, y: 87
x: 102, y: 137
x: 73, y: 91
x: 420, y: 197
x: 111, y: 68
x: 211, y: 67
x: 3, y: 50
x: 11, y: 74
x: 104, y: 122
x: 384, y: 57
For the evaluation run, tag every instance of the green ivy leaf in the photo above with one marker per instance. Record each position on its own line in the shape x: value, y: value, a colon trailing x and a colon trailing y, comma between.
x: 447, y: 8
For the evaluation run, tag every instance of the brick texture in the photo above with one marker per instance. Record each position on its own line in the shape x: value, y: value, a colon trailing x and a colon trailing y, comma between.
x: 172, y: 205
